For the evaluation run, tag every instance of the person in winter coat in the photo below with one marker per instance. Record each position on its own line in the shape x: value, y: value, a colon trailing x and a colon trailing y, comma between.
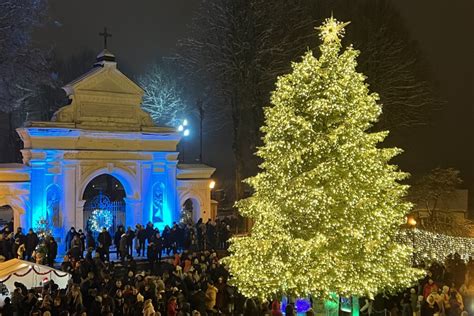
x: 276, y: 308
x: 106, y: 240
x: 3, y: 247
x: 15, y: 247
x: 119, y: 303
x: 413, y: 300
x: 150, y: 231
x: 211, y: 296
x: 429, y: 307
x: 172, y: 307
x: 148, y: 309
x: 141, y: 237
x: 158, y: 242
x: 123, y: 246
x: 52, y: 250
x: 8, y: 246
x: 90, y: 241
x: 221, y: 298
x: 19, y: 235
x: 429, y: 288
x: 31, y: 241
x: 69, y: 237
x: 130, y: 236
x: 108, y: 302
x: 82, y: 238
x: 455, y: 305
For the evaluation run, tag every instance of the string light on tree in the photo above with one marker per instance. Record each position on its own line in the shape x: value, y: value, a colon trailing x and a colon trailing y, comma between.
x: 327, y: 205
x: 43, y: 228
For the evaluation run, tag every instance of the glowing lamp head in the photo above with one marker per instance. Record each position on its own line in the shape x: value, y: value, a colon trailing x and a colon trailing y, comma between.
x: 212, y: 184
x: 186, y: 132
x: 411, y: 221
x: 180, y: 128
x: 185, y: 122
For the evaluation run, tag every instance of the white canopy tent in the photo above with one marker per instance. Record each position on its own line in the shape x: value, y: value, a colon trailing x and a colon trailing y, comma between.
x: 30, y: 274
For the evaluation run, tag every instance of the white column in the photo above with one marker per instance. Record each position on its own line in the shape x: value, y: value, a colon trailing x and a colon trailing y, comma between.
x: 172, y: 196
x: 79, y: 216
x: 68, y: 198
x: 20, y: 210
x: 146, y: 194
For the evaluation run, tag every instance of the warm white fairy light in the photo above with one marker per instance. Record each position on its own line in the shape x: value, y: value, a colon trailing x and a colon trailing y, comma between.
x: 430, y: 246
x: 327, y: 205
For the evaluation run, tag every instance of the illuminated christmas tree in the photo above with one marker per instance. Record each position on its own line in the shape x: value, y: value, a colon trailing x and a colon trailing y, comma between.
x: 327, y: 205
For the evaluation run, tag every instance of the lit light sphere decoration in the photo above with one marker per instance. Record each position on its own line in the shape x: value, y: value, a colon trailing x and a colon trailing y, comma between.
x: 101, y: 219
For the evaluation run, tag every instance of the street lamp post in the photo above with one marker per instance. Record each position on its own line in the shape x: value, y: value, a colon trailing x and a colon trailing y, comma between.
x: 411, y: 221
x: 201, y: 118
x: 185, y: 131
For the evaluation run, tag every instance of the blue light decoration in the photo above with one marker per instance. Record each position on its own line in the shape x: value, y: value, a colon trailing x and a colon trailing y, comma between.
x: 284, y: 302
x: 158, y: 202
x: 101, y: 215
x: 350, y: 305
x: 101, y: 219
x: 302, y: 305
x: 52, y: 205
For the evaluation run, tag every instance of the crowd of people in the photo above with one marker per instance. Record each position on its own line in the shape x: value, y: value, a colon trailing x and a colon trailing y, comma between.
x: 149, y: 241
x: 27, y: 246
x: 179, y: 273
x: 143, y: 241
x: 446, y: 290
x: 190, y: 283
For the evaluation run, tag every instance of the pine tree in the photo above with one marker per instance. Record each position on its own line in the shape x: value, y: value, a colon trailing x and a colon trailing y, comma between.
x: 327, y: 204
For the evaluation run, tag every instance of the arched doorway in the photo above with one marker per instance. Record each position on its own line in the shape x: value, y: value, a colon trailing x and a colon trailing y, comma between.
x: 104, y: 198
x: 190, y: 210
x: 6, y: 218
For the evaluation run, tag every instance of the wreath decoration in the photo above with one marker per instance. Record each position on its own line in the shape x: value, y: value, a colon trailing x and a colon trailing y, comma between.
x: 100, y: 219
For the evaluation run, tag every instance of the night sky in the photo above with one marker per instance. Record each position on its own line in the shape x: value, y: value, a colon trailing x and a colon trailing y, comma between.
x: 149, y: 29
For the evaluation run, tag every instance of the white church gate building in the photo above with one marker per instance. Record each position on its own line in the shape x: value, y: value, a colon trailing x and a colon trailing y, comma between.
x: 103, y: 131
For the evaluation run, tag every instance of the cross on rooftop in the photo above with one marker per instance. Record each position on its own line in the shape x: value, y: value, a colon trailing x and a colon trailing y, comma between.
x: 105, y: 34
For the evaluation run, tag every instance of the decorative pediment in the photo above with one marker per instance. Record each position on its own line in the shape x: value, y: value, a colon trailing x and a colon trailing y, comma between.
x: 104, y: 99
x: 108, y: 79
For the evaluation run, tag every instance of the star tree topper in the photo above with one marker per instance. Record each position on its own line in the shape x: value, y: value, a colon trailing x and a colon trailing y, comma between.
x: 332, y: 30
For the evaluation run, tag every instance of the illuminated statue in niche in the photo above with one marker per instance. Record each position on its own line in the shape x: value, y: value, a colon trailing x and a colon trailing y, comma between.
x: 52, y: 206
x: 158, y: 194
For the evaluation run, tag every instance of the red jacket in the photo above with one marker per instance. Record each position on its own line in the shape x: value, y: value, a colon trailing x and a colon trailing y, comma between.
x: 276, y: 308
x: 172, y: 308
x: 428, y: 289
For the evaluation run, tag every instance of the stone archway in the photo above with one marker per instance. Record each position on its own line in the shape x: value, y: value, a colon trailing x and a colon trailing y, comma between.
x: 192, y: 204
x: 17, y: 198
x: 131, y: 194
x: 106, y: 193
x: 6, y: 218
